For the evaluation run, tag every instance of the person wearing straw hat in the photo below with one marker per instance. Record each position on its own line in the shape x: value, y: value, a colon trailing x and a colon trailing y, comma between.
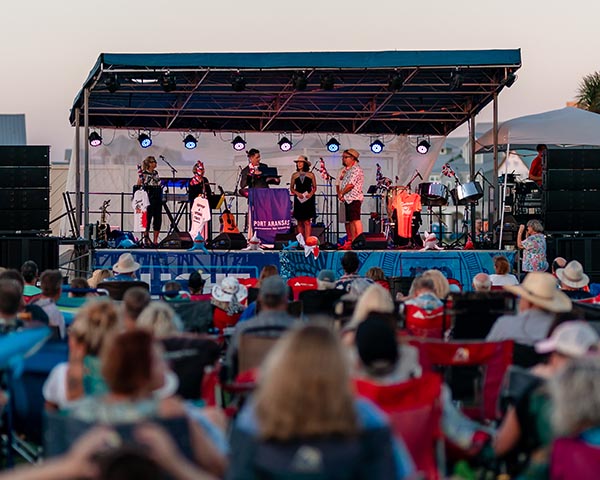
x: 540, y: 300
x: 303, y: 186
x: 573, y: 281
x: 350, y: 193
x: 125, y: 268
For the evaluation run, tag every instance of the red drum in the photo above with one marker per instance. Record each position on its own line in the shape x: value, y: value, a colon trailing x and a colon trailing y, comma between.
x: 433, y: 194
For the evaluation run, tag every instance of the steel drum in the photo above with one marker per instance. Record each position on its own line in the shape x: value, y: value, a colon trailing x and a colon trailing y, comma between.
x: 466, y: 193
x: 433, y: 194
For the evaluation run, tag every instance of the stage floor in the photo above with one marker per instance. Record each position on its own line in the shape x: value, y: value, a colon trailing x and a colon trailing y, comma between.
x: 159, y: 266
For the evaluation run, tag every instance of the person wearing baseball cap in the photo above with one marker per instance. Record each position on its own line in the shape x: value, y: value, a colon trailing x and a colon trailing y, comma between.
x: 350, y: 191
x: 573, y: 281
x: 540, y: 300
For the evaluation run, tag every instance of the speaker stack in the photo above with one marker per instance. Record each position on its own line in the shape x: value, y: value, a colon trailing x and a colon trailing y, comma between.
x: 370, y: 241
x: 572, y: 206
x: 24, y: 189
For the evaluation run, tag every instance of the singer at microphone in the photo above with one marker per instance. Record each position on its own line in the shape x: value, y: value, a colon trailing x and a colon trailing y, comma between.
x: 150, y: 181
x: 303, y: 186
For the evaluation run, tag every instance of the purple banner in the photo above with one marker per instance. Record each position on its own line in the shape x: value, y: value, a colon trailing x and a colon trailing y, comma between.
x: 270, y: 212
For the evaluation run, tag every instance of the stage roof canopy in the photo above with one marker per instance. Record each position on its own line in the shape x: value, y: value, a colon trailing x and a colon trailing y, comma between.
x: 378, y: 93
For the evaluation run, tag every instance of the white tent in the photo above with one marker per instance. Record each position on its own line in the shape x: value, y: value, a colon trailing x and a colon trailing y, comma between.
x: 566, y: 127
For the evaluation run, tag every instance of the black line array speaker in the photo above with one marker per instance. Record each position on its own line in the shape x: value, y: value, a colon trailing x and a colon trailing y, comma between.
x: 573, y: 159
x: 15, y: 251
x: 572, y: 221
x: 562, y: 179
x: 229, y: 241
x: 177, y: 240
x: 370, y: 241
x: 24, y: 189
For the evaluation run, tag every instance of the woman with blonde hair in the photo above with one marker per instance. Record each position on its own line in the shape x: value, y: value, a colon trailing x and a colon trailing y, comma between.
x: 95, y: 323
x: 441, y: 287
x: 98, y: 276
x: 375, y: 299
x: 150, y: 180
x: 160, y: 319
x: 304, y: 409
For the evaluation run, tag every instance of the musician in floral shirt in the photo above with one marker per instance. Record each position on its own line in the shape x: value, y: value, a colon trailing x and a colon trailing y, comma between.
x: 350, y: 192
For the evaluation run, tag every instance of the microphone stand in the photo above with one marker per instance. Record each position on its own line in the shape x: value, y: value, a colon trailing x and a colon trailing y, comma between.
x: 491, y: 195
x: 416, y: 174
x: 173, y: 172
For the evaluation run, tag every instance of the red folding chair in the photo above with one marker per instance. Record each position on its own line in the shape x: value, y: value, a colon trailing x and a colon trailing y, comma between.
x: 492, y: 360
x: 415, y: 412
x: 591, y: 300
x: 423, y: 323
x: 248, y: 282
x: 301, y: 284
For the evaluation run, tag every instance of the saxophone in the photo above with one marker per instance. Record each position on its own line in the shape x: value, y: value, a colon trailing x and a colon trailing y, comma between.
x: 103, y: 226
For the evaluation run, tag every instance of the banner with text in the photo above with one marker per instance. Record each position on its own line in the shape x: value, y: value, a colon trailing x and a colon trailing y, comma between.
x: 270, y: 211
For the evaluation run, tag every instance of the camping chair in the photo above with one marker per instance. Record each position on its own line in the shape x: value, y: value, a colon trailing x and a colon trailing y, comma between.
x: 116, y: 289
x: 473, y: 370
x: 574, y: 459
x: 197, y: 317
x: 423, y: 323
x: 301, y: 284
x: 415, y: 412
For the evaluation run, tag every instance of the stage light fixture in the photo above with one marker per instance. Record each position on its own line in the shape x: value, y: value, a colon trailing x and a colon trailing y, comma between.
x: 377, y: 146
x: 238, y: 82
x: 456, y: 79
x: 167, y: 82
x: 95, y: 139
x: 145, y: 140
x: 327, y: 81
x: 300, y: 81
x: 510, y: 79
x: 238, y: 143
x: 112, y: 83
x: 333, y: 145
x: 285, y: 144
x: 190, y: 142
x: 396, y: 82
x: 423, y: 146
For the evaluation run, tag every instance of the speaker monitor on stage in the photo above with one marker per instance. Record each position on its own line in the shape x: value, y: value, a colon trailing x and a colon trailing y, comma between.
x: 229, y: 241
x: 282, y: 240
x: 370, y: 241
x: 177, y: 240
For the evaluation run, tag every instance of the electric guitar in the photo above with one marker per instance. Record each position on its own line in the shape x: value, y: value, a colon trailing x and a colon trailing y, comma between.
x: 227, y: 219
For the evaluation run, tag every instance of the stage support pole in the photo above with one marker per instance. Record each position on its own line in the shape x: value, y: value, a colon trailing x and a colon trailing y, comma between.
x: 77, y: 159
x: 495, y: 200
x: 472, y: 171
x: 86, y: 158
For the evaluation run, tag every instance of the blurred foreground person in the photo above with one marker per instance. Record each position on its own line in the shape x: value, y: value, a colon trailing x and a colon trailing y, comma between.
x: 304, y: 422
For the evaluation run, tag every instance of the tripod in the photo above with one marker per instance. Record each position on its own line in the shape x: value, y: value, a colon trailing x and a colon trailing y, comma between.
x: 464, y: 232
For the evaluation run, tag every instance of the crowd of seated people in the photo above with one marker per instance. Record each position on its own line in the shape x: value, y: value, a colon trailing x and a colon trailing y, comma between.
x: 316, y: 406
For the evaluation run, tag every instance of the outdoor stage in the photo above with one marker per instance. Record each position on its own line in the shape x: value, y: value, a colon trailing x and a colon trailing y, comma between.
x: 159, y: 266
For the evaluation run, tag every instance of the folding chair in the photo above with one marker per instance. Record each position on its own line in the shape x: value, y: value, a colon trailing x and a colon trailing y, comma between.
x: 116, y: 289
x: 423, y: 323
x: 473, y: 370
x: 301, y: 284
x: 415, y: 412
x: 573, y: 459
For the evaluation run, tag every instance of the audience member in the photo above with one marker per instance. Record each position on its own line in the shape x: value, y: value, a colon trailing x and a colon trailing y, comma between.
x: 422, y: 293
x: 126, y: 269
x: 196, y: 287
x: 539, y: 301
x: 326, y: 280
x: 482, y: 282
x: 558, y: 262
x: 573, y: 281
x: 160, y: 319
x: 135, y: 300
x: 526, y: 425
x: 304, y: 403
x: 75, y: 287
x: 98, y: 276
x: 441, y: 286
x: 378, y: 276
x: 173, y: 292
x: 502, y: 275
x: 229, y: 299
x: 10, y: 304
x: 94, y: 325
x: 350, y: 265
x: 133, y: 368
x: 253, y: 292
x: 51, y: 285
x: 271, y: 320
x: 534, y: 247
x: 30, y: 273
x: 375, y: 299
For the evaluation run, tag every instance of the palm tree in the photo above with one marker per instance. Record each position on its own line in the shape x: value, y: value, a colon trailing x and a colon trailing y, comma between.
x: 588, y: 93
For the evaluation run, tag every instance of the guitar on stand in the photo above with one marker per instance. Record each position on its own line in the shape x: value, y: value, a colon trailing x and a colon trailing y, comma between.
x: 227, y: 219
x: 103, y: 228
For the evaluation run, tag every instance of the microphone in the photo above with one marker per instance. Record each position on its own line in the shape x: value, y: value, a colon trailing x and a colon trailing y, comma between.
x: 161, y: 157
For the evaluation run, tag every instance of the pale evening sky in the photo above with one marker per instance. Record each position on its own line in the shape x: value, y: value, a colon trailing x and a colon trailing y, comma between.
x: 48, y: 48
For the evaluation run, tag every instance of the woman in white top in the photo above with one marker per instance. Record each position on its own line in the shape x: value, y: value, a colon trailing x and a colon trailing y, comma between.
x: 502, y: 277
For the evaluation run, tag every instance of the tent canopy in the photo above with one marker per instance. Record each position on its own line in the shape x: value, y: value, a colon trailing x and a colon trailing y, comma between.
x: 567, y: 126
x: 388, y: 92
